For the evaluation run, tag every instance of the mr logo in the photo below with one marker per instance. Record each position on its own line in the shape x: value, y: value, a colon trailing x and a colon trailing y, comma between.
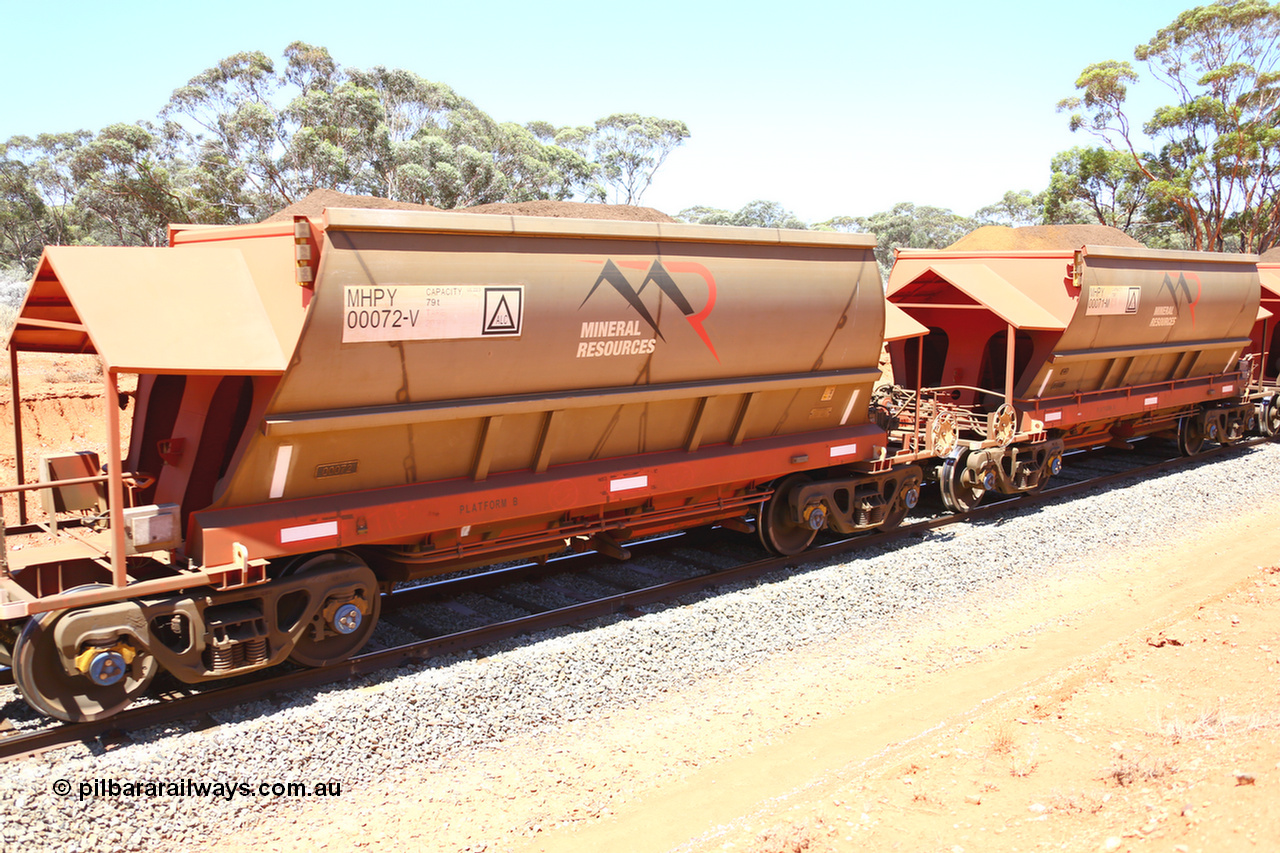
x: 661, y: 276
x: 1181, y: 292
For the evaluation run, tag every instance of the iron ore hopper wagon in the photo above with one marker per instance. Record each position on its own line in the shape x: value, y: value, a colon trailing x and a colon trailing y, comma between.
x: 327, y: 406
x: 1032, y: 353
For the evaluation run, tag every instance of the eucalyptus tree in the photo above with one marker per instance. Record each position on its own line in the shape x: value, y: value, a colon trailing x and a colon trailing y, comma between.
x: 905, y: 226
x: 228, y: 124
x: 37, y: 192
x: 1015, y: 208
x: 1096, y: 185
x: 754, y: 214
x: 630, y: 148
x: 1216, y: 151
x: 251, y: 134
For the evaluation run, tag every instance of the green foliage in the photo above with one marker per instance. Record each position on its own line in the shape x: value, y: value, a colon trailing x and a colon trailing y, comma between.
x: 37, y: 192
x: 127, y: 187
x: 250, y: 135
x: 1106, y: 187
x: 903, y: 226
x: 630, y: 148
x: 13, y: 289
x: 1014, y: 209
x: 1214, y: 173
x: 392, y: 133
x: 753, y: 214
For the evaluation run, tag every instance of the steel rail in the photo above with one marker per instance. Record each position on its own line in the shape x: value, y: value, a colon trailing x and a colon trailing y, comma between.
x: 221, y: 698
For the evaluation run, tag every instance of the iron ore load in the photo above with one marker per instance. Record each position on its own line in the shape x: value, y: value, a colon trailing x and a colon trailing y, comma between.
x: 330, y: 405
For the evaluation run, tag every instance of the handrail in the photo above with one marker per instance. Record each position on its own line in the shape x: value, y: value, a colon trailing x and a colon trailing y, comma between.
x: 133, y: 480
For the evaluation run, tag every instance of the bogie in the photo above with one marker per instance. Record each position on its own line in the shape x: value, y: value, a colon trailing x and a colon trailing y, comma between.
x: 86, y: 663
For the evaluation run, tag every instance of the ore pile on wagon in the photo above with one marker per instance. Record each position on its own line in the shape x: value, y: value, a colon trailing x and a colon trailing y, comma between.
x: 333, y: 403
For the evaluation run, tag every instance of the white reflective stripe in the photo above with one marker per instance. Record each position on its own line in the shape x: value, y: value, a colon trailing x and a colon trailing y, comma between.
x: 308, y: 531
x: 1047, y: 376
x: 1053, y: 416
x: 843, y: 450
x: 622, y: 484
x: 1227, y: 389
x: 284, y: 453
x: 465, y: 531
x: 1151, y: 401
x: 849, y: 408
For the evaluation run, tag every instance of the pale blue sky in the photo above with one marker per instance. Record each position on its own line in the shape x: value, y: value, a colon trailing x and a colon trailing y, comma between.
x: 827, y: 107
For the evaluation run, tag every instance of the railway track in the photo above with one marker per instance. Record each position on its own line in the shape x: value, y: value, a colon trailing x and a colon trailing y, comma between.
x: 510, y: 601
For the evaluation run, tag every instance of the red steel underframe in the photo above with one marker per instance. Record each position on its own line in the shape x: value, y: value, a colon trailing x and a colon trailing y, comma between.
x: 410, y: 512
x: 1100, y: 409
x: 1116, y: 404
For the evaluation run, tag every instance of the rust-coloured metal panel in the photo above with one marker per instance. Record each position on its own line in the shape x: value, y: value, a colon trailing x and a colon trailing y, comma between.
x: 1263, y: 338
x: 1147, y: 316
x: 525, y: 380
x: 150, y: 310
x: 520, y: 507
x: 1029, y: 289
x: 992, y: 285
x: 899, y: 325
x: 441, y: 346
x: 270, y: 256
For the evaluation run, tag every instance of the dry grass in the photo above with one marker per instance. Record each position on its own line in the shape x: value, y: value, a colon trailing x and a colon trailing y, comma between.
x: 803, y: 837
x: 1004, y: 744
x: 1127, y: 771
x: 1023, y: 765
x: 1215, y: 722
x: 1075, y: 802
x: 1003, y: 741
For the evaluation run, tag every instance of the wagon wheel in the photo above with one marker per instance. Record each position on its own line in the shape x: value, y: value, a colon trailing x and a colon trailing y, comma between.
x: 778, y: 533
x: 903, y: 502
x: 46, y: 686
x: 342, y: 625
x: 1052, y: 468
x: 1269, y: 417
x: 1191, y: 434
x: 960, y: 488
